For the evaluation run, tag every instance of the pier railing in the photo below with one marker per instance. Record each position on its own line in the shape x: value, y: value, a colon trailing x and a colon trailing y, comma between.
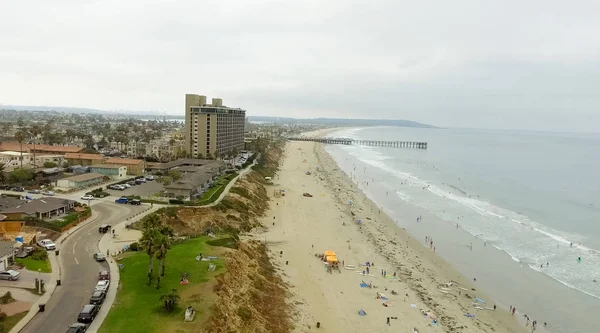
x: 375, y: 143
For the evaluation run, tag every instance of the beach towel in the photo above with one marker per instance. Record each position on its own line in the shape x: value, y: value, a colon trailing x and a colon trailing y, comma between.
x: 363, y: 285
x: 362, y: 312
x: 469, y: 315
x: 479, y: 300
x: 413, y: 306
x: 384, y: 298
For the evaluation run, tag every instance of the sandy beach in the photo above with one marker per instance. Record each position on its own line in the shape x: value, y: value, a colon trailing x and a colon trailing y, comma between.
x: 429, y: 294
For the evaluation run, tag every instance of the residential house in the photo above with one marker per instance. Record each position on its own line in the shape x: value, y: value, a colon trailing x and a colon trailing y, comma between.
x: 7, y: 250
x: 81, y: 181
x: 43, y: 208
x: 47, y: 176
x: 134, y: 167
x: 83, y: 159
x: 192, y: 184
x: 113, y: 171
x: 39, y: 148
x: 182, y: 162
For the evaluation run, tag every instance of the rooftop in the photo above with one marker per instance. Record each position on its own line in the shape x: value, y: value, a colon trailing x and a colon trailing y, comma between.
x: 15, y: 146
x: 117, y: 160
x: 85, y: 176
x: 42, y: 205
x: 6, y: 247
x: 193, y: 180
x: 50, y: 171
x: 106, y: 166
x: 181, y: 162
x: 84, y: 156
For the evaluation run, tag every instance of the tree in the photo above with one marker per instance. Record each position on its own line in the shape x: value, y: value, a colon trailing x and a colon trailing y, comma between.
x: 147, y: 244
x: 162, y: 244
x: 174, y: 174
x: 49, y: 165
x: 34, y: 131
x: 166, y: 180
x: 21, y: 136
x: 170, y: 300
x: 20, y: 175
x: 3, y: 175
x: 199, y: 156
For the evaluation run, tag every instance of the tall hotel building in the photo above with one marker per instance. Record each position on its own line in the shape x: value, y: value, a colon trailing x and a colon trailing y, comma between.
x: 212, y: 128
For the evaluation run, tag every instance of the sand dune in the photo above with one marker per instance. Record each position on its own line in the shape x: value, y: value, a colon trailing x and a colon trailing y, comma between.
x: 302, y: 226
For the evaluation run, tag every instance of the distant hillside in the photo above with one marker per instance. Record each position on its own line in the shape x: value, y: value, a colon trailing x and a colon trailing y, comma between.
x: 67, y: 109
x: 341, y: 122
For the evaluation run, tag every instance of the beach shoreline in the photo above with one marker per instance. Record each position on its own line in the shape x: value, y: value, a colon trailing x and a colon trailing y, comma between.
x: 302, y: 227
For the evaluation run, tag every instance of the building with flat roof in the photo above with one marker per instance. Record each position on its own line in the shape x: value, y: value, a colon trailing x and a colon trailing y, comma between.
x: 134, y: 167
x: 212, y: 129
x: 81, y: 181
x: 113, y: 171
x: 83, y: 159
x: 195, y: 179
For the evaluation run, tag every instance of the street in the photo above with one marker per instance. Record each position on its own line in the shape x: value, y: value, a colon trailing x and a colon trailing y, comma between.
x: 79, y: 270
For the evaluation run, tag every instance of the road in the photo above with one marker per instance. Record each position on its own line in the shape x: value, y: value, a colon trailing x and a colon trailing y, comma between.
x: 79, y: 270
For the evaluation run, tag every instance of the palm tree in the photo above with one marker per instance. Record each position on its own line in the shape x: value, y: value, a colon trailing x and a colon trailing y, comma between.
x: 170, y: 300
x: 147, y: 244
x: 162, y: 244
x: 3, y: 174
x: 21, y: 136
x: 34, y: 131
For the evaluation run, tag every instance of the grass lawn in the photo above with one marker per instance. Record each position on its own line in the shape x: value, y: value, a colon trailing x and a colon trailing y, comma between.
x: 10, y: 322
x: 137, y: 307
x: 214, y: 192
x: 33, y: 265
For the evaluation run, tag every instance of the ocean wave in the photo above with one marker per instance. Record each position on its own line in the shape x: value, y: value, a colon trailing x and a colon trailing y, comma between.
x: 525, y: 241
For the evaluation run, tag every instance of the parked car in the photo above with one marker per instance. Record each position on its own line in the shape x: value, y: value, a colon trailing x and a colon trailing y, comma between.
x: 88, y: 313
x: 122, y: 200
x: 132, y: 182
x: 126, y: 185
x: 34, y: 191
x: 48, y: 193
x: 100, y: 256
x: 77, y: 328
x: 104, y: 275
x: 4, y: 187
x: 117, y: 187
x: 87, y: 197
x: 104, y: 228
x: 149, y: 177
x: 98, y: 297
x: 10, y: 275
x: 102, y: 285
x: 135, y: 202
x: 18, y: 189
x: 47, y: 244
x: 141, y: 179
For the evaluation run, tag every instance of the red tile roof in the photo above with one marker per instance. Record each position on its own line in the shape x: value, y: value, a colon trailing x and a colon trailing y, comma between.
x: 116, y: 160
x: 15, y: 146
x: 83, y: 156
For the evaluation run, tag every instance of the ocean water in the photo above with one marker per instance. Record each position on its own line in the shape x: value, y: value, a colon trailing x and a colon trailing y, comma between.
x: 533, y: 196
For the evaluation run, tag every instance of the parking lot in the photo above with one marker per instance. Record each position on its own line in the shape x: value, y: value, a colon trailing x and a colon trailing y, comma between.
x: 146, y: 189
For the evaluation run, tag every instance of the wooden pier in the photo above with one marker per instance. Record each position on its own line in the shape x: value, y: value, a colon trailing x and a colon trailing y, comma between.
x: 373, y: 143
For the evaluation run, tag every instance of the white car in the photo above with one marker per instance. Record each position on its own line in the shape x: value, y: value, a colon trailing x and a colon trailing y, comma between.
x: 102, y: 285
x: 149, y: 177
x: 47, y: 244
x: 87, y: 197
x: 48, y: 193
x: 10, y: 275
x: 126, y: 185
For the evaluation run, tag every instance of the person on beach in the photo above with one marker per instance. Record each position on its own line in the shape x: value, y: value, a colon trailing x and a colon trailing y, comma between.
x: 513, y: 311
x: 367, y: 269
x: 388, y: 321
x: 510, y: 309
x: 471, y: 247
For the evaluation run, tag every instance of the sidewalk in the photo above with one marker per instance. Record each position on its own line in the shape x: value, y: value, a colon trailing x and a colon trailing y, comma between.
x: 114, y: 245
x: 54, y: 276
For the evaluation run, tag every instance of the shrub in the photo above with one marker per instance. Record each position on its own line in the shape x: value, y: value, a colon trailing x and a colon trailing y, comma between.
x: 175, y: 202
x: 49, y: 165
x: 39, y: 254
x: 133, y: 246
x: 3, y: 316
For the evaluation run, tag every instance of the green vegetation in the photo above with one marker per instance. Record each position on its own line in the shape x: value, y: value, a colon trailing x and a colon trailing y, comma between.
x: 37, y: 261
x: 7, y: 323
x: 174, y: 174
x: 50, y: 165
x: 20, y: 175
x: 70, y: 218
x: 138, y: 300
x: 214, y: 192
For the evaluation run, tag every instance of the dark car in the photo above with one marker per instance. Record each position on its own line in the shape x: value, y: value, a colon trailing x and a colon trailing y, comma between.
x: 132, y: 183
x: 104, y: 228
x: 98, y: 297
x: 34, y: 191
x: 77, y: 328
x: 88, y: 313
x: 135, y: 202
x: 4, y: 187
x: 18, y: 189
x: 104, y: 275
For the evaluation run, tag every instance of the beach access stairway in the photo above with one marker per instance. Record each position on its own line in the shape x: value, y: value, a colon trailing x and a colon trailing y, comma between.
x: 376, y: 143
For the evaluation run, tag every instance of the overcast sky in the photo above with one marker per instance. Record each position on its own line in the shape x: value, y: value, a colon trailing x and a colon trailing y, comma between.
x: 490, y: 64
